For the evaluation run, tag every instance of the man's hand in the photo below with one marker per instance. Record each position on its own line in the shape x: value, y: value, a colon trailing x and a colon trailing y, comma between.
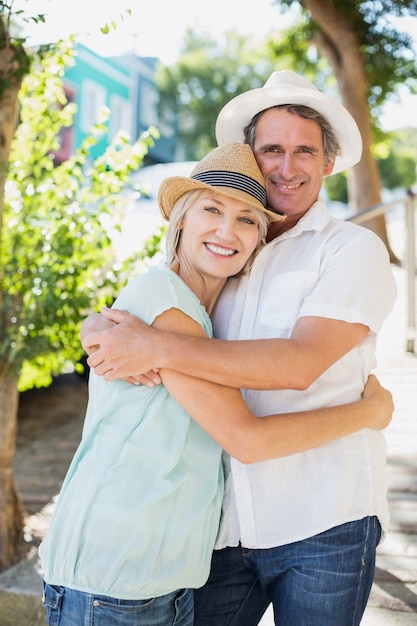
x: 122, y: 351
x: 381, y: 403
x: 94, y: 322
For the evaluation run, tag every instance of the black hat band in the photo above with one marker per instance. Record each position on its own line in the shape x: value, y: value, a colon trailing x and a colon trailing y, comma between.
x: 235, y: 181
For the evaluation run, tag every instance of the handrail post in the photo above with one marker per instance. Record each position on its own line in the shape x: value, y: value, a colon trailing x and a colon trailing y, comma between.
x: 410, y: 262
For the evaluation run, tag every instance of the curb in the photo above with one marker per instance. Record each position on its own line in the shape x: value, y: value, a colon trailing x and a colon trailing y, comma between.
x: 21, y: 594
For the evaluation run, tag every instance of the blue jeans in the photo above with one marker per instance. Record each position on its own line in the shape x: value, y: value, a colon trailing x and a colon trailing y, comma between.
x: 321, y: 581
x: 67, y: 607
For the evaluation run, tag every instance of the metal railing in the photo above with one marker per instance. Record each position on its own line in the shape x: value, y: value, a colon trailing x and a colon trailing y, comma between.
x: 409, y: 262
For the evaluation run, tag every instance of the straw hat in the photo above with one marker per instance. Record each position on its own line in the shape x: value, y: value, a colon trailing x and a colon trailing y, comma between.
x: 289, y: 88
x: 230, y: 170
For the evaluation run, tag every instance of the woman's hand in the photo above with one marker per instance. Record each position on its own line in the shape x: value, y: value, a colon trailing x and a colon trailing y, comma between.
x: 381, y: 404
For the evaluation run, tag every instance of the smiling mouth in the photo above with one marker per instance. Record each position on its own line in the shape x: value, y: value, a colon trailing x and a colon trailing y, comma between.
x: 285, y: 187
x: 219, y: 250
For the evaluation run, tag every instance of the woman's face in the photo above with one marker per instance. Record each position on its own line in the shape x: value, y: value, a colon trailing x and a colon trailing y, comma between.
x: 218, y: 235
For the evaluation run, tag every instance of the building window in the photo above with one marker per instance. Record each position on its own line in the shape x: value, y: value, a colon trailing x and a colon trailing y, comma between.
x: 93, y: 98
x: 120, y: 116
x: 149, y: 105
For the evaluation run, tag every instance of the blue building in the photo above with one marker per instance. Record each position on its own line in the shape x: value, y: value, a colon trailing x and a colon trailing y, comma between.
x: 126, y: 85
x: 145, y: 106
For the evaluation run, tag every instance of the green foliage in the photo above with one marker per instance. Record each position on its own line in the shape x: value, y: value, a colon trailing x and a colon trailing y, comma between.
x: 397, y: 158
x: 336, y: 187
x: 56, y: 256
x: 293, y: 50
x: 208, y: 74
x: 397, y: 171
x: 112, y: 25
x: 404, y: 141
x: 384, y: 40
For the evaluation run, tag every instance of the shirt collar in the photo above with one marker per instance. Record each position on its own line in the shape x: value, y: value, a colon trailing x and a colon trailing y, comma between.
x: 315, y: 219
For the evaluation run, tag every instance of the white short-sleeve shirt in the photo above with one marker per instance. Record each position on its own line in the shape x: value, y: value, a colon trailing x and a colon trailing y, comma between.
x: 322, y: 267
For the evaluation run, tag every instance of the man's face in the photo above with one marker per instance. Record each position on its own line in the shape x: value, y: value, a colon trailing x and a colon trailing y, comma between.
x: 290, y: 155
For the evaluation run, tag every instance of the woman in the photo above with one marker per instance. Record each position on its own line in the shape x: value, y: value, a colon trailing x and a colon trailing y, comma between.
x: 136, y: 520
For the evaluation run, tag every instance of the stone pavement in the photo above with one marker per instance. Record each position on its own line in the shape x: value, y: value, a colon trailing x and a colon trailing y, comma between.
x: 50, y: 422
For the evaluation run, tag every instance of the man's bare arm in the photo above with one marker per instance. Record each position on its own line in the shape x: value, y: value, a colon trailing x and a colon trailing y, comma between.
x: 132, y: 348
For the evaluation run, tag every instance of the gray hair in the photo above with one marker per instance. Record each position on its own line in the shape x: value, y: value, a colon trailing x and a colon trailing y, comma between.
x: 175, y: 222
x: 331, y: 145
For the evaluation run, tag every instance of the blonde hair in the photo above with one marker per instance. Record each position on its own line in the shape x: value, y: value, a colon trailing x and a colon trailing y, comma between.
x: 175, y: 221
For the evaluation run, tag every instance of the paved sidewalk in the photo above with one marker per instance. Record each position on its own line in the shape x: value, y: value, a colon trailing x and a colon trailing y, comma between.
x: 50, y: 423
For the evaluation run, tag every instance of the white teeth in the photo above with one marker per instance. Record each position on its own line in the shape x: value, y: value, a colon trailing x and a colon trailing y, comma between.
x: 287, y: 186
x: 218, y: 250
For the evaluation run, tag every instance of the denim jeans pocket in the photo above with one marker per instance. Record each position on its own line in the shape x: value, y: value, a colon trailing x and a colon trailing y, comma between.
x: 52, y: 601
x: 172, y: 609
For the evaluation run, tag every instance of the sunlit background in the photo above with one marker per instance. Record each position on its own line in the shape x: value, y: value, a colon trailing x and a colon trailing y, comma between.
x: 156, y: 28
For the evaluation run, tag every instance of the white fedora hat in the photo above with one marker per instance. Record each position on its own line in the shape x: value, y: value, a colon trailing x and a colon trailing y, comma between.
x: 286, y: 87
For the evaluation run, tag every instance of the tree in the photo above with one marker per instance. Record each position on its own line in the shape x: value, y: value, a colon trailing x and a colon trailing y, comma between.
x: 207, y: 74
x: 14, y: 64
x: 369, y: 58
x: 397, y: 159
x: 56, y: 262
x: 353, y: 42
x: 397, y: 170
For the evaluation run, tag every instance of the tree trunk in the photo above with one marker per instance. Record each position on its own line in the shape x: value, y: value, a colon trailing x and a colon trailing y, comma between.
x: 11, y: 511
x: 338, y: 43
x: 14, y: 64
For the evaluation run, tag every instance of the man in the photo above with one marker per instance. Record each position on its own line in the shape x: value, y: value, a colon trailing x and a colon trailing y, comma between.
x: 299, y: 531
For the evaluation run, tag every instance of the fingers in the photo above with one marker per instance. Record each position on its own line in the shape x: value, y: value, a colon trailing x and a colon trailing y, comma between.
x: 96, y: 361
x: 92, y: 349
x: 91, y: 344
x: 372, y: 385
x: 149, y: 379
x: 115, y: 315
x: 139, y: 380
x: 381, y: 402
x: 131, y: 380
x: 115, y: 353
